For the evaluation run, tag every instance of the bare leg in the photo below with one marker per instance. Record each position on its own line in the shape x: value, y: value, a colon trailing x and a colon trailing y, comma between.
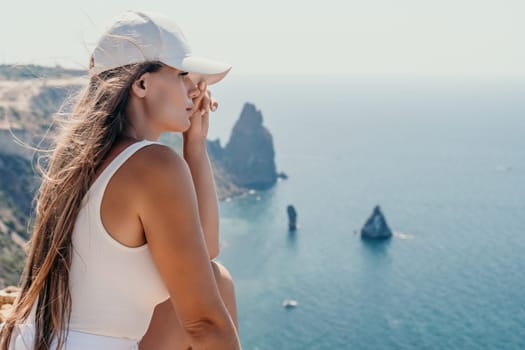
x: 165, y: 331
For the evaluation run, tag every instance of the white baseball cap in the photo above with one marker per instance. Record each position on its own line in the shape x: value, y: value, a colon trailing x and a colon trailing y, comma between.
x: 138, y: 36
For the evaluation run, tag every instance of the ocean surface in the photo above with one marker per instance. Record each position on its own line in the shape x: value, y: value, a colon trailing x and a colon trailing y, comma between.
x: 445, y: 160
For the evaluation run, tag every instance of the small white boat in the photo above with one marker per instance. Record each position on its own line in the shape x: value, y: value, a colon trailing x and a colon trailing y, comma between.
x: 289, y: 303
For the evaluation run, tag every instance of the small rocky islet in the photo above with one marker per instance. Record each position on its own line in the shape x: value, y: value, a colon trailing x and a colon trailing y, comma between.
x: 376, y: 227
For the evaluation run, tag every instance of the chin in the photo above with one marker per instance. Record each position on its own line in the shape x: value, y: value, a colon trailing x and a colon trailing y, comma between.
x: 186, y: 126
x: 179, y: 129
x: 183, y: 129
x: 179, y: 125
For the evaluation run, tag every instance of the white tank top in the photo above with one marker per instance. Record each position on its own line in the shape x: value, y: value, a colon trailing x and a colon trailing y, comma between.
x: 114, y: 288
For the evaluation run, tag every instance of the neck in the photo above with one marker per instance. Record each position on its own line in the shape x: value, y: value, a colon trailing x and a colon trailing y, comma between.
x: 131, y: 134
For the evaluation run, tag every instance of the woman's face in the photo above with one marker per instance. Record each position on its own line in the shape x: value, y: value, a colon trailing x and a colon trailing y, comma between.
x: 168, y: 101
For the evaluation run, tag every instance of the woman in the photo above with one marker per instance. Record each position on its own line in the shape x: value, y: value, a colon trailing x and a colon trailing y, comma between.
x: 126, y: 229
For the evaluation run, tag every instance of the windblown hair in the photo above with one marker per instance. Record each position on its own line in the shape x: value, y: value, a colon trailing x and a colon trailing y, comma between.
x: 83, y: 139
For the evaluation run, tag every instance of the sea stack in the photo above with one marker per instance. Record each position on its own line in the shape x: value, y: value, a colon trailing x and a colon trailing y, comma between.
x: 249, y: 155
x: 292, y: 218
x: 376, y: 226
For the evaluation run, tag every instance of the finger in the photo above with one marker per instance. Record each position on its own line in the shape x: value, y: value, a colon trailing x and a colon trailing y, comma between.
x: 197, y: 102
x: 204, y: 119
x: 211, y: 102
x: 205, y: 104
x: 214, y: 104
x: 202, y: 85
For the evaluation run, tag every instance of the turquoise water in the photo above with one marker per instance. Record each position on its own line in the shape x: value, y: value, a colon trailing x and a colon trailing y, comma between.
x: 445, y: 160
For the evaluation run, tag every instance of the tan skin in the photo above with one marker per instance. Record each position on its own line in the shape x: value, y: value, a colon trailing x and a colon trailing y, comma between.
x: 157, y: 190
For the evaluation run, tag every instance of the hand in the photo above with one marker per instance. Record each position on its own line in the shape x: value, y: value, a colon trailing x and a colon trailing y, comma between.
x: 199, y: 119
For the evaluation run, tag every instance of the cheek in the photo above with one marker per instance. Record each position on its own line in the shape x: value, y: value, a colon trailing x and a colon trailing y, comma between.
x: 170, y: 102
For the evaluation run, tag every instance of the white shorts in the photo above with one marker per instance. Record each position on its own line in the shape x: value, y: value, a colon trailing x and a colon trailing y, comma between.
x: 22, y: 339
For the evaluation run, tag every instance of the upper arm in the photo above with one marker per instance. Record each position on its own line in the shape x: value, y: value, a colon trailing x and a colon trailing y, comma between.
x: 167, y: 207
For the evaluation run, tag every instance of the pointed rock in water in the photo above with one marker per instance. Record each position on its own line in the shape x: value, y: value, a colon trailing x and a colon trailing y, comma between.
x: 376, y: 226
x: 292, y: 218
x: 249, y: 155
x: 282, y: 175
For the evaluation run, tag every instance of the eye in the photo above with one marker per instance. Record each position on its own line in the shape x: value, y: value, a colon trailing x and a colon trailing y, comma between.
x: 183, y: 73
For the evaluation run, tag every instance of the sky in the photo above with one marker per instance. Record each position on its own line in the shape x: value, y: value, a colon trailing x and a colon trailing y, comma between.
x: 280, y: 37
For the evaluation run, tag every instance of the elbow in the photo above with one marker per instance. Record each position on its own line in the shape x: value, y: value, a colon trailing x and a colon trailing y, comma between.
x: 213, y: 247
x: 208, y: 333
x: 200, y: 328
x: 214, y: 251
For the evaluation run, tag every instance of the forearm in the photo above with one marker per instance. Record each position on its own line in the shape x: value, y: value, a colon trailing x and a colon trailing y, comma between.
x: 201, y: 171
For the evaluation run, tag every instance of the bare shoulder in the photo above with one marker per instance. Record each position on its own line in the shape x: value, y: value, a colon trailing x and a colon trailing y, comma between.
x: 157, y: 156
x: 156, y: 163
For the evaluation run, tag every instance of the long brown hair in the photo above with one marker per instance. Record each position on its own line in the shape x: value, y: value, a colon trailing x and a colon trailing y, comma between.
x: 83, y: 139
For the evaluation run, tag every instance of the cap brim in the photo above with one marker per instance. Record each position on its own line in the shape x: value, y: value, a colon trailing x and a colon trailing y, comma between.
x: 202, y: 68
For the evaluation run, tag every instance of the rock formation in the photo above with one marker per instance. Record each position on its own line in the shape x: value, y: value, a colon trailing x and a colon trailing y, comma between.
x: 292, y: 218
x: 249, y: 154
x: 282, y: 175
x: 376, y: 226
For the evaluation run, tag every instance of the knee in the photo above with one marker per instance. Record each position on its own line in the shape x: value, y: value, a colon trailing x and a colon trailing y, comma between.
x: 226, y: 288
x: 222, y: 275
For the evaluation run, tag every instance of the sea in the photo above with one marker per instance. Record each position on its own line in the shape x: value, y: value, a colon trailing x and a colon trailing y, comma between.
x: 443, y: 157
